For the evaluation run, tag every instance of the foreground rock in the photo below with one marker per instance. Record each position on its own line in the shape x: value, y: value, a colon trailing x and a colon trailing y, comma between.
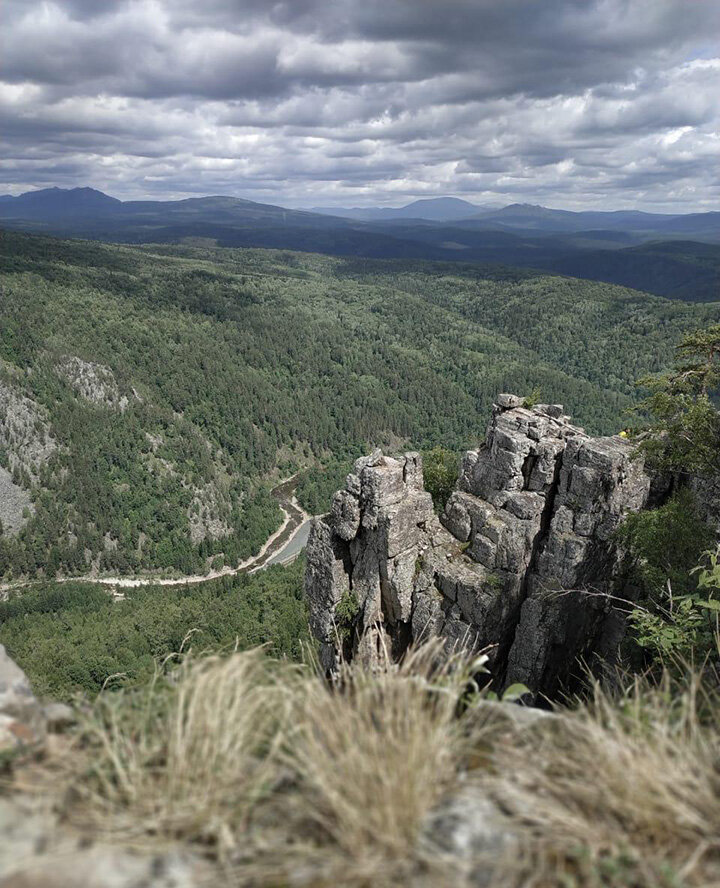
x: 22, y: 723
x: 521, y: 560
x: 37, y: 852
x: 471, y: 833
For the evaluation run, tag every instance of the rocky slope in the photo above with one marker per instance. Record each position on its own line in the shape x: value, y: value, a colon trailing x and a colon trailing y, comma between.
x: 521, y: 562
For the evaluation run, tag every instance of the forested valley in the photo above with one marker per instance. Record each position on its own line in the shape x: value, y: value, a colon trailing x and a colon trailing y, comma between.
x: 151, y: 396
x: 74, y: 637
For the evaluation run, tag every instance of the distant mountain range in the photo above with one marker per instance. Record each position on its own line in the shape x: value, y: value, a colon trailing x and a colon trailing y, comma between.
x: 531, y: 217
x: 81, y: 203
x: 434, y: 209
x: 676, y: 256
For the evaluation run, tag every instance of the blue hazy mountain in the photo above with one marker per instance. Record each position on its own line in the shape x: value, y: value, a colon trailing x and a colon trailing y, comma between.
x: 677, y: 256
x: 434, y: 209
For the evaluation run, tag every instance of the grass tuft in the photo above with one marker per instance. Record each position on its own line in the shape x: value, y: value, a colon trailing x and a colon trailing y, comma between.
x: 190, y: 755
x: 625, y: 791
x: 283, y: 778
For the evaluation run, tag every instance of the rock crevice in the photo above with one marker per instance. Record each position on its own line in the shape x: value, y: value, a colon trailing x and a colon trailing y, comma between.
x: 521, y: 562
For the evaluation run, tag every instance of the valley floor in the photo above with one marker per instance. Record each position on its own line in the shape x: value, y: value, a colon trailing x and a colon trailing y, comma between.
x: 281, y: 547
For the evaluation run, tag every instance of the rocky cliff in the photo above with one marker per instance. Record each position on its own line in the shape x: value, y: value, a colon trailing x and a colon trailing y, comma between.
x: 521, y: 562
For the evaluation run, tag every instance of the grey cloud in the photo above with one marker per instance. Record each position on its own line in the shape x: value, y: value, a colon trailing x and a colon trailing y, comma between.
x: 569, y: 100
x: 523, y: 46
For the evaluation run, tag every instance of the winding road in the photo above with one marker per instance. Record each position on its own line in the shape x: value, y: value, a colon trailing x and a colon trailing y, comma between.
x: 281, y: 547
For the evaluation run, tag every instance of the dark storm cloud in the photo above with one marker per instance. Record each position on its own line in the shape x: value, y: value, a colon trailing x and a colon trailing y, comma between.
x: 309, y: 101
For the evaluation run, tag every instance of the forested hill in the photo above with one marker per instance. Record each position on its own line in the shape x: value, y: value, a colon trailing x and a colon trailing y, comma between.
x: 676, y: 256
x: 148, y: 395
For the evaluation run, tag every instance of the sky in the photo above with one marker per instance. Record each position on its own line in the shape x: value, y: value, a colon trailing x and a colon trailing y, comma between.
x: 578, y: 104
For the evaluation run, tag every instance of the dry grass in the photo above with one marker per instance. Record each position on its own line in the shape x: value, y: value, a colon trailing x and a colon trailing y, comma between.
x: 187, y: 758
x: 622, y: 792
x: 373, y: 756
x: 285, y: 778
x: 270, y: 766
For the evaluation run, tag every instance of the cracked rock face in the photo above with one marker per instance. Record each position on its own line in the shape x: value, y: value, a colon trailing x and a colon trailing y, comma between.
x: 521, y: 561
x: 365, y: 551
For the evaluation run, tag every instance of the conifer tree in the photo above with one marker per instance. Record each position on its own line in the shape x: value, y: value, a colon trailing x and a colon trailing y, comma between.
x: 684, y: 434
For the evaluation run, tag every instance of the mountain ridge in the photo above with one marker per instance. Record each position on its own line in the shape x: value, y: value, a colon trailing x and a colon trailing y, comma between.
x: 430, y: 209
x: 611, y: 247
x: 434, y: 209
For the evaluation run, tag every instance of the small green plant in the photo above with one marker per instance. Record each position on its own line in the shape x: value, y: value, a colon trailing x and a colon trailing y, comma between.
x: 618, y: 869
x: 511, y: 694
x: 709, y: 575
x: 669, y: 633
x: 494, y: 582
x: 532, y: 399
x: 345, y: 613
x: 440, y: 471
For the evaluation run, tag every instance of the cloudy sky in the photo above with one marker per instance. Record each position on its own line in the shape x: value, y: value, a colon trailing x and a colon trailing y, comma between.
x: 569, y: 103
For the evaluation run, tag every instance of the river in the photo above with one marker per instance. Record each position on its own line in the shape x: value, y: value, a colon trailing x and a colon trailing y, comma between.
x: 282, y: 547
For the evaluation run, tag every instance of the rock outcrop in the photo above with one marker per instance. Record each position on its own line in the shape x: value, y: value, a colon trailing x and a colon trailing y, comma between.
x: 520, y: 563
x: 94, y: 383
x: 16, y: 505
x: 22, y: 723
x: 27, y: 444
x: 39, y: 850
x: 25, y: 433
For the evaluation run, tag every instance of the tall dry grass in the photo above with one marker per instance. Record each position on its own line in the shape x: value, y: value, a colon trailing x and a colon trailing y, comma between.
x: 189, y: 757
x: 287, y: 779
x: 624, y: 791
x: 274, y: 768
x: 374, y: 754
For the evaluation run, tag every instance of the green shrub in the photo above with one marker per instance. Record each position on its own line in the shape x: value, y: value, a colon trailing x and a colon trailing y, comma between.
x: 684, y: 433
x: 440, y: 470
x: 345, y: 613
x: 664, y: 545
x: 673, y: 617
x: 533, y: 398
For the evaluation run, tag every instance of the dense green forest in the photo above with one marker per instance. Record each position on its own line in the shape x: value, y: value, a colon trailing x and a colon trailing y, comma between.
x: 150, y: 396
x: 73, y: 637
